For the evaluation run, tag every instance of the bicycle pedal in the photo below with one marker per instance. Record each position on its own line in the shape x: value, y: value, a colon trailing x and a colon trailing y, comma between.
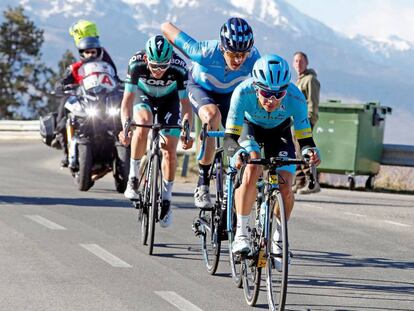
x: 195, y: 227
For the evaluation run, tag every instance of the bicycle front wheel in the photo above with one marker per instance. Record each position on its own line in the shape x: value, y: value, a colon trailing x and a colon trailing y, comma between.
x: 277, y: 279
x: 154, y: 199
x: 235, y: 263
x: 143, y: 205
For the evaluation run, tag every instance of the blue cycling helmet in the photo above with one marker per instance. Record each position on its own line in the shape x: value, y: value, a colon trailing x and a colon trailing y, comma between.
x: 236, y: 35
x: 271, y: 72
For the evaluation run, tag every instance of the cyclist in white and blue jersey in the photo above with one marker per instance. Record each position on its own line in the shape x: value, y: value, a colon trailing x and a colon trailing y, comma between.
x: 261, y: 112
x: 217, y: 68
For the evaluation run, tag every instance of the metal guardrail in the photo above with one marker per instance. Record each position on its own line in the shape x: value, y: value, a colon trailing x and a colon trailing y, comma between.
x: 12, y: 129
x: 19, y: 126
x: 398, y: 155
x: 393, y: 155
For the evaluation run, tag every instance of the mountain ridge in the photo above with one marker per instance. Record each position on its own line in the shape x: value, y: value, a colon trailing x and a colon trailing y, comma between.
x: 361, y: 68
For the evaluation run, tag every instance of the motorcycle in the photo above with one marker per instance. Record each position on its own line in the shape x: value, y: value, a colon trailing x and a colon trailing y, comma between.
x: 92, y: 126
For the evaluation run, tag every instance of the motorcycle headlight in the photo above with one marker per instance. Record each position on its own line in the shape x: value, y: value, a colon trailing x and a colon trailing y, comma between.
x: 113, y: 111
x: 91, y: 111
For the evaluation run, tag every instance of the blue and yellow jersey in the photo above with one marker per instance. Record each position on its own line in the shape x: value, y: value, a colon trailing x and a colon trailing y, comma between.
x: 209, y: 68
x: 245, y: 104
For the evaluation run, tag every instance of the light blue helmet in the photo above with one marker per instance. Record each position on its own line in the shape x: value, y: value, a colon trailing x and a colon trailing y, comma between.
x: 271, y: 72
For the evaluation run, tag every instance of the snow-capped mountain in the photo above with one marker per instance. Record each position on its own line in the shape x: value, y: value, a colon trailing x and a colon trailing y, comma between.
x: 358, y: 68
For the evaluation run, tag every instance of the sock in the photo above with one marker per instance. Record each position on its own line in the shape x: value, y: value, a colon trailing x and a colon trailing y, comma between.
x: 134, y: 168
x: 167, y: 189
x: 203, y: 179
x: 243, y: 225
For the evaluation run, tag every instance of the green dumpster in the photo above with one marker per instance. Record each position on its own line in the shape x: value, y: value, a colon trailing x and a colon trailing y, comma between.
x: 350, y: 137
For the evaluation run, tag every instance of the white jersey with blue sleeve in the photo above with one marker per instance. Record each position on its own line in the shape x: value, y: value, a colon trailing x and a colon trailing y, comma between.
x: 209, y: 68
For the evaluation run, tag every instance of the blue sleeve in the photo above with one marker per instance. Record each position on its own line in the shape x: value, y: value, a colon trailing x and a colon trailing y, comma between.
x: 300, y: 113
x: 255, y: 54
x: 194, y: 50
x: 235, y: 118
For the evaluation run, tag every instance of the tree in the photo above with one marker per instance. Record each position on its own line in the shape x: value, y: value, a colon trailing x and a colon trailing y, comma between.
x: 25, y: 82
x: 67, y: 59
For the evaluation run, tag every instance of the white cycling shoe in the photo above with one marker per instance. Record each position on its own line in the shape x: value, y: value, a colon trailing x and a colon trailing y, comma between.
x: 202, y: 197
x: 241, y: 245
x: 131, y: 191
x: 166, y: 214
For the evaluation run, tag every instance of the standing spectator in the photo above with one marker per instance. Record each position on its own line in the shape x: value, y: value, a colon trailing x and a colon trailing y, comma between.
x: 310, y: 87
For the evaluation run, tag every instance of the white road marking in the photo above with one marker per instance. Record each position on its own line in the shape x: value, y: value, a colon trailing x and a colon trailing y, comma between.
x: 396, y: 223
x: 177, y: 301
x: 312, y: 205
x: 106, y: 256
x: 45, y: 222
x: 354, y: 214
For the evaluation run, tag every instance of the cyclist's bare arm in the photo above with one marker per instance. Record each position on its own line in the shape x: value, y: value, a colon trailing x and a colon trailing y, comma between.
x: 187, y: 111
x: 127, y: 106
x: 126, y: 114
x: 187, y: 115
x: 170, y: 31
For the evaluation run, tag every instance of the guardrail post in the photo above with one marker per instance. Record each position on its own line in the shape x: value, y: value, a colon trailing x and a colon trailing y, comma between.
x: 185, y: 165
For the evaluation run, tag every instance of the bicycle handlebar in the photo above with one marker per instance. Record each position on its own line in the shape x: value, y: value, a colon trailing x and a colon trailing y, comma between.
x: 280, y: 161
x: 203, y: 136
x: 158, y: 126
x: 276, y: 161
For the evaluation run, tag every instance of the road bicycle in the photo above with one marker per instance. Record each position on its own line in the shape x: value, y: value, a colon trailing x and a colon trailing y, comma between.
x: 149, y: 199
x: 265, y: 223
x: 210, y: 224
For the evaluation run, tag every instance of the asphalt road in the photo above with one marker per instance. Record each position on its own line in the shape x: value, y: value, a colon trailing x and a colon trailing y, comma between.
x: 61, y: 249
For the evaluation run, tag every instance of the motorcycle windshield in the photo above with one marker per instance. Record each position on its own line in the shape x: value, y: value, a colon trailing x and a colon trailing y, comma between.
x: 98, y: 77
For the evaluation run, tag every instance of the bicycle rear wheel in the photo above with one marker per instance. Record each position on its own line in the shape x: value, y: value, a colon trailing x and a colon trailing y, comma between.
x: 252, y: 270
x: 210, y: 240
x: 154, y: 199
x: 276, y: 282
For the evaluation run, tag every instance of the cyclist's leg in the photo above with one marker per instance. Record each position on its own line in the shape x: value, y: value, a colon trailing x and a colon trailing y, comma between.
x: 205, y: 107
x: 283, y: 147
x: 245, y: 195
x: 168, y: 114
x: 142, y: 115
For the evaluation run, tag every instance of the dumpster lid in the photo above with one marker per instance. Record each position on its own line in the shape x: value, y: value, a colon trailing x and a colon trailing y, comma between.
x: 332, y: 103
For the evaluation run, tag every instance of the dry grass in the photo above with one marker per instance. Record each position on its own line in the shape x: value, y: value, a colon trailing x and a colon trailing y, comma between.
x: 395, y: 178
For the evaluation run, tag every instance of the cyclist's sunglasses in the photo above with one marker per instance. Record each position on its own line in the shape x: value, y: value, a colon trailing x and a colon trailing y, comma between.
x: 159, y: 66
x: 234, y: 55
x: 268, y: 94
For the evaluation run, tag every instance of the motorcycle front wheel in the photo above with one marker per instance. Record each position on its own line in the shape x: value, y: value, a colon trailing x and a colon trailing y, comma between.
x: 85, y: 166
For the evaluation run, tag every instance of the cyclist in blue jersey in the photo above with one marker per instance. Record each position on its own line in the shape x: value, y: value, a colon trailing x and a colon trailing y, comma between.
x: 260, y: 112
x: 156, y: 78
x: 217, y: 68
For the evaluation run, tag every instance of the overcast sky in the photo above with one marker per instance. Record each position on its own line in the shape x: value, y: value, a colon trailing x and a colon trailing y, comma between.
x: 377, y: 18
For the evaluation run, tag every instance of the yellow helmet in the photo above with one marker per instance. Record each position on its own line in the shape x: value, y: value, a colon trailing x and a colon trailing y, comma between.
x: 82, y: 29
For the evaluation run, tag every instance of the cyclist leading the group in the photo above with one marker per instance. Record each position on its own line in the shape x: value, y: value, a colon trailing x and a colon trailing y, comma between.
x: 260, y: 112
x: 156, y: 78
x: 217, y: 68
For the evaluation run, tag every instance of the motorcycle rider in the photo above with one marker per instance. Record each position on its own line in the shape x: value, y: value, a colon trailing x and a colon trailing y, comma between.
x: 86, y: 37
